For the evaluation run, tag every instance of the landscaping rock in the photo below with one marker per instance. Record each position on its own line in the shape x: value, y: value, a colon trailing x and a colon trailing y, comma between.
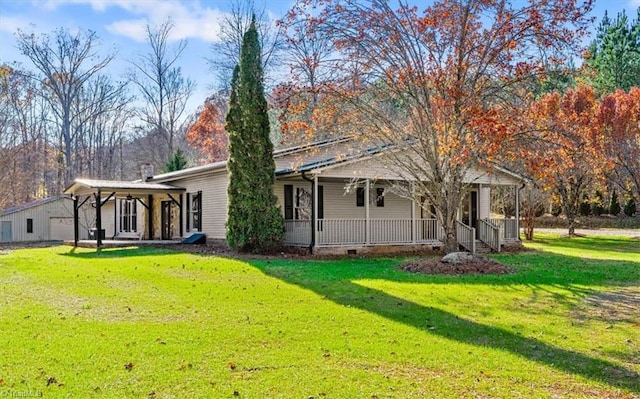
x: 457, y: 258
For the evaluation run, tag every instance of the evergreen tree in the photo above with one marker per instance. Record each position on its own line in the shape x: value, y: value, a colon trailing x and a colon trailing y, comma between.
x: 177, y: 162
x: 614, y: 55
x: 614, y: 204
x: 254, y: 222
x: 630, y: 206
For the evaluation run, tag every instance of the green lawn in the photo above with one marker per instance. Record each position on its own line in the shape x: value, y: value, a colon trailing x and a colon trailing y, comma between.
x: 148, y: 323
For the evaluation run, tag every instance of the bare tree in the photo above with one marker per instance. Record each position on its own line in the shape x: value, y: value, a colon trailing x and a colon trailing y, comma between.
x: 226, y: 51
x: 163, y: 88
x: 66, y: 62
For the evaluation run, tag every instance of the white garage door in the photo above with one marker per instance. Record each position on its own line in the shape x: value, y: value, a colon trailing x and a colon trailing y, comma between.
x: 60, y: 228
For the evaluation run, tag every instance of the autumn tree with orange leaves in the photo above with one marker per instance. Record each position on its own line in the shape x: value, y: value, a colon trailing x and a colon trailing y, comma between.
x: 565, y: 150
x: 619, y: 121
x: 440, y: 84
x: 207, y: 134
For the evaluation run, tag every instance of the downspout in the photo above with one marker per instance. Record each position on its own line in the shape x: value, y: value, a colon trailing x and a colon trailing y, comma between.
x: 313, y: 212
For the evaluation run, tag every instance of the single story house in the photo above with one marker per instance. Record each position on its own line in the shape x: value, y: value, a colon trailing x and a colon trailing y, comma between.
x: 47, y: 219
x: 322, y: 207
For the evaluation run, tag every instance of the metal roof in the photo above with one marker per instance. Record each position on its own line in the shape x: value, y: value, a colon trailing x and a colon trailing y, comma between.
x: 90, y: 186
x: 29, y: 205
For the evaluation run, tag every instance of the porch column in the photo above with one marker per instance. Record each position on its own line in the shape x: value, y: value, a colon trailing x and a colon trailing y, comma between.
x: 150, y: 215
x: 367, y: 233
x: 98, y: 219
x: 182, y: 218
x: 314, y: 213
x: 414, y: 227
x: 517, y: 211
x: 76, y: 230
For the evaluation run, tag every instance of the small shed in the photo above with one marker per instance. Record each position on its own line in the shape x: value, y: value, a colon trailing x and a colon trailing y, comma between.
x: 45, y: 219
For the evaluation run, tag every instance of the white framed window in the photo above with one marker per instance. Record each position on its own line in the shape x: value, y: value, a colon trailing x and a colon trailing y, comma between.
x: 128, y: 215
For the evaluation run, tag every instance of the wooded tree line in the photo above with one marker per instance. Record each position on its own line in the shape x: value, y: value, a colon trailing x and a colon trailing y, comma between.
x: 458, y: 84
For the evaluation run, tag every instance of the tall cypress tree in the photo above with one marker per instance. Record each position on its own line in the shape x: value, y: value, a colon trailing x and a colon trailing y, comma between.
x: 254, y: 222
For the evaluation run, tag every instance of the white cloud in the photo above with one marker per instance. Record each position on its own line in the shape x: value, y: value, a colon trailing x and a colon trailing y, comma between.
x: 11, y: 23
x: 190, y: 18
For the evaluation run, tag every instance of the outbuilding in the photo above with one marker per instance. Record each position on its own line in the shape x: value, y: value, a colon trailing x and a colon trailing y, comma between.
x: 47, y: 219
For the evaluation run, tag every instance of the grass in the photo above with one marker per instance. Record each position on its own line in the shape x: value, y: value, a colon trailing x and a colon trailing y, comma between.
x: 160, y: 324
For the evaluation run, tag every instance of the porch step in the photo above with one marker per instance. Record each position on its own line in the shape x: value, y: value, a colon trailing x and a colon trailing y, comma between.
x: 482, y: 247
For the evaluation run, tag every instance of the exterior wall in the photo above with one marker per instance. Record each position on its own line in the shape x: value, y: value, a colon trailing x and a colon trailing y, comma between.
x: 339, y: 204
x: 214, y: 202
x: 376, y: 168
x: 42, y: 214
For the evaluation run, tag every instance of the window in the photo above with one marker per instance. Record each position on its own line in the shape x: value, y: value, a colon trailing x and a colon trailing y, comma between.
x: 194, y: 211
x: 359, y: 196
x: 128, y: 215
x: 380, y: 197
x: 302, y: 208
x: 29, y: 225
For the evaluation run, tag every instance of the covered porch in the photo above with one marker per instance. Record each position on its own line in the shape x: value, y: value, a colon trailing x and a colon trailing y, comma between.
x: 323, y: 214
x: 127, y: 199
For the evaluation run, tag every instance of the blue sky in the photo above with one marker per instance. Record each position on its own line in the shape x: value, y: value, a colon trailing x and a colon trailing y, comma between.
x: 120, y: 24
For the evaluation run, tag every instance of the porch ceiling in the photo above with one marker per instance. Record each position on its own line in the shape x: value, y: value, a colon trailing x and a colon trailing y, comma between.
x: 84, y: 187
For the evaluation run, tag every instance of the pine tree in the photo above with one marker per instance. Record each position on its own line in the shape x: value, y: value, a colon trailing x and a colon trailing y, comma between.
x: 614, y: 204
x: 630, y: 206
x: 615, y: 54
x: 178, y: 162
x: 254, y: 222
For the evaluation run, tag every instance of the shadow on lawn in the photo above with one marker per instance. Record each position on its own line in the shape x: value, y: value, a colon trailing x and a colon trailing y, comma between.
x: 117, y: 253
x: 338, y: 286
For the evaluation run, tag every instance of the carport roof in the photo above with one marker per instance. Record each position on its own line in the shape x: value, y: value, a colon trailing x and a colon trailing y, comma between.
x: 82, y: 187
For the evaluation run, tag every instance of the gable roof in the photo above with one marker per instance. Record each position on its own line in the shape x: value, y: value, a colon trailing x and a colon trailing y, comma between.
x: 29, y: 205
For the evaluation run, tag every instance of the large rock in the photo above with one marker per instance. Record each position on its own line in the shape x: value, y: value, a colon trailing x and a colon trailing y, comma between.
x: 457, y: 258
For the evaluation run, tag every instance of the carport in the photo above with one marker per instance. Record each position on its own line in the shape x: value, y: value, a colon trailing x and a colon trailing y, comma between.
x: 81, y: 190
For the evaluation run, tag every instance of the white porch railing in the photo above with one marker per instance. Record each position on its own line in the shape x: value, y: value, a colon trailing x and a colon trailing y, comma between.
x: 489, y: 233
x: 363, y: 232
x: 466, y: 236
x: 297, y: 232
x: 341, y: 232
x: 509, y: 229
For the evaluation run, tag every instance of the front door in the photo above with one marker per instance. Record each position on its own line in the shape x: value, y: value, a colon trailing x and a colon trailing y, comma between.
x: 166, y: 220
x: 470, y: 209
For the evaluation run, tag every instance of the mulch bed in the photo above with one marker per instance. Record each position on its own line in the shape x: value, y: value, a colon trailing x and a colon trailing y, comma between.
x: 436, y: 266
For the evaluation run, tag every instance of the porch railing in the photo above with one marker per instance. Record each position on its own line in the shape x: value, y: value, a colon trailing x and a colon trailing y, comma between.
x: 297, y: 232
x: 489, y: 233
x: 466, y: 236
x: 363, y: 232
x: 509, y: 229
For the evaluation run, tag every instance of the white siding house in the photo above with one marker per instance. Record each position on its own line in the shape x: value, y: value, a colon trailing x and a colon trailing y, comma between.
x: 333, y: 194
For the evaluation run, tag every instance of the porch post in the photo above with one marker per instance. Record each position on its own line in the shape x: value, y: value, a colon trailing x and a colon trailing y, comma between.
x: 98, y: 219
x: 517, y: 211
x: 367, y: 233
x: 150, y: 215
x: 182, y: 217
x: 414, y: 226
x: 76, y: 230
x: 314, y: 212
